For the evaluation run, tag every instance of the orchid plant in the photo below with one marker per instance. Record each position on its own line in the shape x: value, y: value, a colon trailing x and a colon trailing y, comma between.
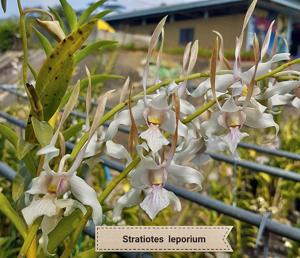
x: 167, y: 132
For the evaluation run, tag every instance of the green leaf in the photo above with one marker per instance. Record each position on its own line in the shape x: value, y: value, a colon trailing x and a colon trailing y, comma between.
x: 70, y: 14
x: 59, y: 19
x: 20, y: 183
x: 32, y: 70
x: 93, y: 47
x: 56, y: 72
x: 65, y: 227
x: 45, y: 43
x: 87, y: 12
x: 102, y: 14
x: 97, y: 78
x: 3, y: 3
x: 9, y: 212
x: 42, y: 130
x: 30, y: 236
x: 9, y: 134
x: 30, y: 164
x: 72, y: 131
x: 18, y: 187
x: 23, y: 148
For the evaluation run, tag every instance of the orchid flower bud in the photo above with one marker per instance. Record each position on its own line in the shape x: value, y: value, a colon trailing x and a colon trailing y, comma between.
x: 54, y: 28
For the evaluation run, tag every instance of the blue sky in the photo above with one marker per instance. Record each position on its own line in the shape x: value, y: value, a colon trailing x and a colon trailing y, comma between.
x: 130, y: 5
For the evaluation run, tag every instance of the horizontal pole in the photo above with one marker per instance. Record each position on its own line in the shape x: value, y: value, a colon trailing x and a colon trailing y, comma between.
x: 13, y: 120
x: 255, y: 167
x: 279, y: 153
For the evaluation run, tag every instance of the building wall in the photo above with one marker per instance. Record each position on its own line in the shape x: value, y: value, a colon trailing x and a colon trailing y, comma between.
x: 229, y: 26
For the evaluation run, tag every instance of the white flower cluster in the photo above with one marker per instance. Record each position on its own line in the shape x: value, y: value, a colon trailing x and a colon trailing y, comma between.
x: 166, y: 131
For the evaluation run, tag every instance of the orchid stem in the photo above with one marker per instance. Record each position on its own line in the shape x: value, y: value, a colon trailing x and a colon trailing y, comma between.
x: 278, y: 69
x: 24, y: 43
x: 119, y: 178
x: 30, y: 240
x: 200, y: 110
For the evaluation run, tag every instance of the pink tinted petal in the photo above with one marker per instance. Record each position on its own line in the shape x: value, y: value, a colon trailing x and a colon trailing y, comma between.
x: 233, y: 138
x: 154, y: 138
x: 155, y: 201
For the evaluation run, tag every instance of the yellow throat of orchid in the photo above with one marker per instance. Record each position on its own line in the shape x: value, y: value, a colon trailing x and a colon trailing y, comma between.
x: 154, y: 120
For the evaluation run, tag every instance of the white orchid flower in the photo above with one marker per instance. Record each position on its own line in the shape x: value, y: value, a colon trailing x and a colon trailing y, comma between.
x: 154, y: 112
x: 51, y: 190
x: 284, y: 93
x: 157, y: 116
x: 148, y: 180
x: 233, y: 117
x: 237, y: 77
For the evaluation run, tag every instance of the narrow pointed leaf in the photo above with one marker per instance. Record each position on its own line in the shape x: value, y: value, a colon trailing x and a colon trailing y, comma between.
x: 87, y: 12
x: 33, y: 71
x: 9, y: 134
x: 70, y: 14
x: 92, y: 48
x: 23, y: 148
x: 45, y: 43
x: 102, y: 14
x: 30, y: 236
x: 97, y: 78
x: 72, y: 131
x: 58, y: 18
x: 3, y: 3
x: 12, y: 215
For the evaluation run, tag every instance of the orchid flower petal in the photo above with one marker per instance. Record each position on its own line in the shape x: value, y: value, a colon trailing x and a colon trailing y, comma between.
x: 281, y: 100
x: 123, y: 118
x: 233, y: 138
x: 255, y: 119
x: 69, y: 205
x: 48, y: 224
x: 281, y: 88
x: 117, y: 151
x: 174, y: 200
x: 265, y: 67
x: 129, y: 199
x: 154, y: 137
x: 230, y: 106
x: 39, y: 207
x: 223, y: 82
x: 296, y: 102
x: 156, y: 200
x: 87, y: 196
x: 184, y: 175
x: 39, y: 184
